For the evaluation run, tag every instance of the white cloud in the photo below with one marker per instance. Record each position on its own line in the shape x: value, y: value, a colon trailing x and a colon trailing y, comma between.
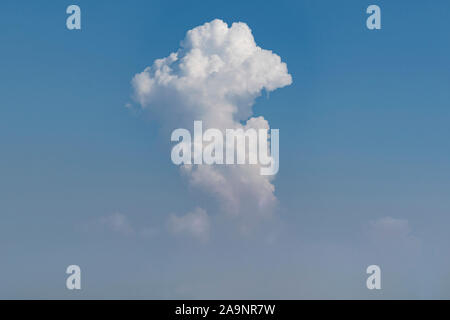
x: 195, y: 224
x: 215, y: 77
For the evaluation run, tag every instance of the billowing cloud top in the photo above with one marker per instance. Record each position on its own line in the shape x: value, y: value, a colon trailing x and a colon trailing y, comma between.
x: 214, y: 76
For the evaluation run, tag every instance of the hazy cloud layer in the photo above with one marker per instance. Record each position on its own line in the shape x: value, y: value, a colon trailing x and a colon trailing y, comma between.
x: 117, y: 222
x: 391, y: 233
x: 195, y: 224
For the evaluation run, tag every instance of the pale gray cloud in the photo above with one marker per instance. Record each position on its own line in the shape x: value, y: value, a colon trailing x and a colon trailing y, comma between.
x: 194, y: 224
x: 392, y: 233
x: 117, y: 222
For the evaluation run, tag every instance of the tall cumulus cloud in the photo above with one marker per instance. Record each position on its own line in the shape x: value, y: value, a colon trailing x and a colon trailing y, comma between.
x: 215, y: 76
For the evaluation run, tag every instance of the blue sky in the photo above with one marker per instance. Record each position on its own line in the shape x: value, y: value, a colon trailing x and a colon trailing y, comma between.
x: 363, y: 136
